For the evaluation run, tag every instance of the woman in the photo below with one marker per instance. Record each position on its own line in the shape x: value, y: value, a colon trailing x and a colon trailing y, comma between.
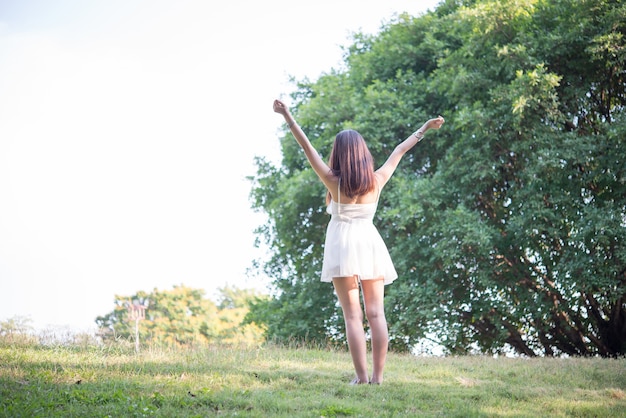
x: 355, y: 257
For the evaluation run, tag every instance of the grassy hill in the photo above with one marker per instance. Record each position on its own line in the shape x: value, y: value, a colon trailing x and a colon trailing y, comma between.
x: 72, y: 381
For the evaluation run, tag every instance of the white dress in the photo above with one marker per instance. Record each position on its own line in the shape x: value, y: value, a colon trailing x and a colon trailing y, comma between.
x: 353, y: 245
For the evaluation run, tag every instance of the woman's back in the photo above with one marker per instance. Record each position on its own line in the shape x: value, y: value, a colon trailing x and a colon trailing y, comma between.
x: 369, y: 197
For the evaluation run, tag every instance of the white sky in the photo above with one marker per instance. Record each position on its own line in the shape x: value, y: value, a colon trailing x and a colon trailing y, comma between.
x: 127, y: 129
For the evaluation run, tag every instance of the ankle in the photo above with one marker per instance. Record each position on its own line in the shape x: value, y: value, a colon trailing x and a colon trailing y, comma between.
x: 357, y: 381
x: 376, y: 380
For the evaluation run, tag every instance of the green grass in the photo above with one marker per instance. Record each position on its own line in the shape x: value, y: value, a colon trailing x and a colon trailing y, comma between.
x: 39, y: 381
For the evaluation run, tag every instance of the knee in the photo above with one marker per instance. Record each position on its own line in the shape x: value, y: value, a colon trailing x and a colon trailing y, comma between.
x: 355, y: 316
x: 375, y: 313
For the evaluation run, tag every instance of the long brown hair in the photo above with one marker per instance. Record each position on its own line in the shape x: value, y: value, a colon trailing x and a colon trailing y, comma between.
x: 352, y: 161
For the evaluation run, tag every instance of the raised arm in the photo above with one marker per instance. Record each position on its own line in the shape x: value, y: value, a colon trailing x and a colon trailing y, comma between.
x: 387, y: 169
x: 319, y: 166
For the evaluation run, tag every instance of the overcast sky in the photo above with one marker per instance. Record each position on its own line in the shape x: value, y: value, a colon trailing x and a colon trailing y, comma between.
x: 127, y: 130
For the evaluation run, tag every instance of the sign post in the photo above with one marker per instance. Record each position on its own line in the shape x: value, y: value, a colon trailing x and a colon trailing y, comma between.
x: 136, y: 313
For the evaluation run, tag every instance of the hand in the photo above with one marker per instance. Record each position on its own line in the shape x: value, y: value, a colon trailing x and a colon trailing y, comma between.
x: 279, y: 107
x: 435, y: 123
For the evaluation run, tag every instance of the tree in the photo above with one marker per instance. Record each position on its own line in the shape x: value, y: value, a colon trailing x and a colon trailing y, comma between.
x: 527, y: 237
x: 17, y: 330
x: 233, y: 306
x: 15, y: 325
x: 509, y: 228
x: 182, y: 317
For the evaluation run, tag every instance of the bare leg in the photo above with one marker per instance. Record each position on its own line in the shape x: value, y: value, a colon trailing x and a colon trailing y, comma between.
x: 348, y: 292
x: 373, y: 295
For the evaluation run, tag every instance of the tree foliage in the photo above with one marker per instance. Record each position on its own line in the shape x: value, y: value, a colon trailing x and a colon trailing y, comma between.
x: 182, y: 316
x: 508, y: 226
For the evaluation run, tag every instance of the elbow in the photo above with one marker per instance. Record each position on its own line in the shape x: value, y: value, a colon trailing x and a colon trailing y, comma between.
x: 400, y: 150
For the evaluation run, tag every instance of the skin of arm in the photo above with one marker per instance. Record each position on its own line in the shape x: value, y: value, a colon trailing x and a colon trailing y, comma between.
x: 385, y: 172
x: 319, y: 166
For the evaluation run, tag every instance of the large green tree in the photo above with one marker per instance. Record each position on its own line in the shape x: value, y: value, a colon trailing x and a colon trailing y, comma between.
x: 508, y: 226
